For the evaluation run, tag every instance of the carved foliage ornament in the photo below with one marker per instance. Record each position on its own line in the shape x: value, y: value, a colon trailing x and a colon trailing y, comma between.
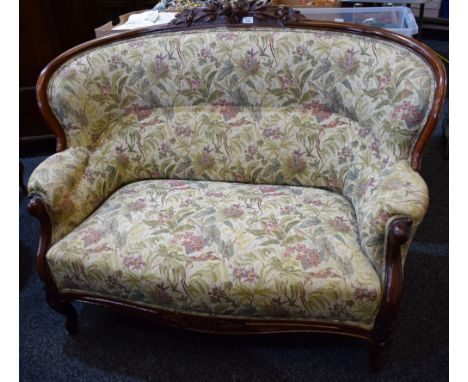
x: 233, y: 12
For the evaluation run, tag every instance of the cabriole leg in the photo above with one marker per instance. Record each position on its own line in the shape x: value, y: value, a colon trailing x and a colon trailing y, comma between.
x: 67, y: 309
x: 375, y: 355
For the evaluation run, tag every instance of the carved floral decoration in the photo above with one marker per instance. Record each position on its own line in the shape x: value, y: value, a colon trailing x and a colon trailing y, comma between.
x: 233, y: 12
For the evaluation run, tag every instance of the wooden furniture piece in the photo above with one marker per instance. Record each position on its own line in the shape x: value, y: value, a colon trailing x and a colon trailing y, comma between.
x: 130, y: 122
x: 48, y: 28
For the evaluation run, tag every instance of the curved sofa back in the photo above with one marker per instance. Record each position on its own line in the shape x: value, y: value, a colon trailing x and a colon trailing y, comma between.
x: 220, y: 103
x: 377, y: 83
x: 300, y: 106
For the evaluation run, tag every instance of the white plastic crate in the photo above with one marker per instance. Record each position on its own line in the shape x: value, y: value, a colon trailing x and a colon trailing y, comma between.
x: 396, y: 19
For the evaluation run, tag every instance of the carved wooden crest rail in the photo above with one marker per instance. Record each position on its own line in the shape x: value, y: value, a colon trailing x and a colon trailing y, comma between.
x: 238, y: 12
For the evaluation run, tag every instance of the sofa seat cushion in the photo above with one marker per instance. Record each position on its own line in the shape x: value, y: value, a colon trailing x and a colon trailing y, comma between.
x: 225, y: 249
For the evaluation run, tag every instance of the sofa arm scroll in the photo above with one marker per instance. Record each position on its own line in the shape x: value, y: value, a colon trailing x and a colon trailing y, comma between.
x: 379, y: 196
x: 52, y: 184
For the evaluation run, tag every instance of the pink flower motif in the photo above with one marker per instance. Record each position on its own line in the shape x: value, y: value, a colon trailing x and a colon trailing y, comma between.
x: 241, y: 178
x: 166, y: 217
x: 286, y: 82
x: 296, y: 163
x: 309, y: 260
x: 363, y: 132
x: 89, y: 175
x: 381, y: 218
x: 338, y: 309
x: 205, y: 159
x: 267, y: 189
x: 384, y: 81
x: 375, y: 147
x: 273, y: 133
x: 204, y: 54
x: 244, y: 274
x: 154, y: 174
x: 287, y: 210
x: 250, y: 64
x: 188, y: 202
x: 340, y: 224
x: 315, y: 202
x: 190, y: 241
x: 160, y: 67
x: 177, y: 183
x: 105, y: 88
x: 350, y: 63
x: 137, y: 204
x: 318, y: 109
x: 91, y: 236
x: 115, y: 60
x: 165, y: 149
x: 365, y: 294
x: 333, y: 182
x: 183, y: 131
x: 228, y: 109
x: 233, y: 211
x: 345, y: 154
x: 141, y: 111
x: 309, y: 257
x: 271, y: 227
x: 408, y: 113
x: 364, y: 186
x: 216, y: 294
x: 301, y: 50
x: 324, y: 273
x: 135, y: 263
x: 214, y: 194
x: 195, y: 84
x: 252, y: 150
x: 123, y: 160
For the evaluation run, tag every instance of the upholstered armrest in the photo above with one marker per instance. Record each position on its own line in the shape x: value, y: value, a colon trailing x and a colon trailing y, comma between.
x: 54, y: 180
x: 379, y: 195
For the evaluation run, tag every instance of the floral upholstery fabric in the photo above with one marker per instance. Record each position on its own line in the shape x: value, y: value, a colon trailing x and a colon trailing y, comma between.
x: 286, y: 107
x: 279, y: 147
x: 223, y: 249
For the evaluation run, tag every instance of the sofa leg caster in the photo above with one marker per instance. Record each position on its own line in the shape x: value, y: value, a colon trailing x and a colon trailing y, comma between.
x: 375, y: 356
x: 68, y: 310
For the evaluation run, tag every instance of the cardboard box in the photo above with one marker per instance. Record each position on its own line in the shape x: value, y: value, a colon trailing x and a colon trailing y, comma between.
x: 106, y: 29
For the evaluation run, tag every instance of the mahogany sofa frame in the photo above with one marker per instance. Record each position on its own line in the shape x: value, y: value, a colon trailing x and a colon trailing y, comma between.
x: 398, y: 232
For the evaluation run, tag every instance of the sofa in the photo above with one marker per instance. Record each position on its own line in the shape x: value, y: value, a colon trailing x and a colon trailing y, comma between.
x: 242, y: 170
